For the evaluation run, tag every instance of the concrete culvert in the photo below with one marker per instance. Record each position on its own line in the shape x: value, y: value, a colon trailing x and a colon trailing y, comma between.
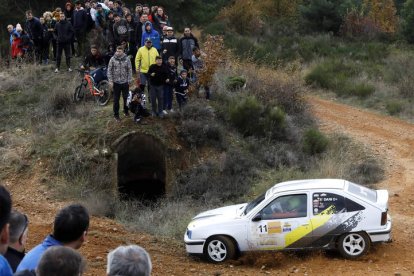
x: 140, y: 166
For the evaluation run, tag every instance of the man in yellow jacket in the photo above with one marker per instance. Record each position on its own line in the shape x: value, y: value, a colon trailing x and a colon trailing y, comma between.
x: 143, y: 60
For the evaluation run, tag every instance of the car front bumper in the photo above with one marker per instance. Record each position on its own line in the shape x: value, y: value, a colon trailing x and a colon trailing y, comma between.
x: 193, y: 246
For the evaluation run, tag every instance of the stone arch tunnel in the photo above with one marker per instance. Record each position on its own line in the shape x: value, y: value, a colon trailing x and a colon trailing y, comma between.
x: 140, y: 166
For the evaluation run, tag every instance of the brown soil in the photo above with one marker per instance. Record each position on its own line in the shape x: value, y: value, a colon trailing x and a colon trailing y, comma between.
x: 391, y: 139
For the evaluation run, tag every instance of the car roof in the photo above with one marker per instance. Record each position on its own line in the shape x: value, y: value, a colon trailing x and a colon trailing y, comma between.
x: 308, y: 184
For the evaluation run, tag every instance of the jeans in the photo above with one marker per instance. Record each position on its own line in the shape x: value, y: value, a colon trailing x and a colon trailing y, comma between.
x: 157, y: 95
x: 120, y: 88
x: 168, y: 97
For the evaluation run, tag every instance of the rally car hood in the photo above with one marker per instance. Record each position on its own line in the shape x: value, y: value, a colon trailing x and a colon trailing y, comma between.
x: 228, y: 211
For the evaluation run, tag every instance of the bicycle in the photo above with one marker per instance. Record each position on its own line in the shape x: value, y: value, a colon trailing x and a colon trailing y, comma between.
x: 100, y: 91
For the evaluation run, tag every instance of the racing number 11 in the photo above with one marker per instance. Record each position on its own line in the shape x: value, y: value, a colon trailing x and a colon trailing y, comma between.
x: 263, y: 228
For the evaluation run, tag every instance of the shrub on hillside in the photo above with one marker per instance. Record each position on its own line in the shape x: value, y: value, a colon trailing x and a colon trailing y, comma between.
x: 202, y: 133
x: 217, y: 181
x: 250, y: 117
x: 324, y: 15
x: 367, y: 171
x: 360, y: 90
x: 314, y: 142
x: 393, y: 107
x: 407, y: 16
x: 235, y: 82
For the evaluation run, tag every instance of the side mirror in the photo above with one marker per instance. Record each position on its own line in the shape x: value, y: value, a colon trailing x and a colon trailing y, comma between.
x: 257, y: 217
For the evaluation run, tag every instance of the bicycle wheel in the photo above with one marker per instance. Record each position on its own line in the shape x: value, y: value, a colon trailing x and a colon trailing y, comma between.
x: 103, y: 98
x: 79, y: 94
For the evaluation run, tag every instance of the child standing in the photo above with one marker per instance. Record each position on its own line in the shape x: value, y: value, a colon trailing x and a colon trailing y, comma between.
x: 181, y: 89
x: 169, y: 87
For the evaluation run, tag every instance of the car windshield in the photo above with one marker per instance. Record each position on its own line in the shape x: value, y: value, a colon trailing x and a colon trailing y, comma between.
x: 363, y: 192
x: 254, y: 203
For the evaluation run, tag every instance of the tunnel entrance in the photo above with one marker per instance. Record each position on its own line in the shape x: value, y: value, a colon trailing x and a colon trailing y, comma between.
x: 141, y: 170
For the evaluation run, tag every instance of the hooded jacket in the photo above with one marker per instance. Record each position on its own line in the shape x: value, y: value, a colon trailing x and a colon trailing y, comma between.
x: 153, y: 35
x: 145, y: 58
x: 120, y: 69
x: 32, y: 258
x: 120, y: 31
x: 64, y: 31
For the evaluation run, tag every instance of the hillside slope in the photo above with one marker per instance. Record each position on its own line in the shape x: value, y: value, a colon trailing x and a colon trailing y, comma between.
x: 391, y: 139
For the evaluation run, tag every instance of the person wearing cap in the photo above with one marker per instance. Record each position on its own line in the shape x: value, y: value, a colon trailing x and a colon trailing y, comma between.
x: 169, y: 45
x: 143, y: 60
x: 152, y: 34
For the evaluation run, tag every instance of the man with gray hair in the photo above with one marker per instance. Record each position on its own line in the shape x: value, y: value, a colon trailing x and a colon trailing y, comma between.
x: 18, y: 230
x: 131, y: 260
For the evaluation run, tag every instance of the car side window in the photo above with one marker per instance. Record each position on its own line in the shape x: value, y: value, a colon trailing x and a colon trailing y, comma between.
x: 333, y: 204
x: 289, y: 206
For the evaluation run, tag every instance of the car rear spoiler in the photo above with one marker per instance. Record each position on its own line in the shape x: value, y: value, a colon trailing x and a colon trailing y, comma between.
x: 382, y: 199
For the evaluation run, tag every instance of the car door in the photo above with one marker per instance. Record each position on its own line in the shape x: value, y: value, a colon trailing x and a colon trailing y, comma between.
x: 281, y: 224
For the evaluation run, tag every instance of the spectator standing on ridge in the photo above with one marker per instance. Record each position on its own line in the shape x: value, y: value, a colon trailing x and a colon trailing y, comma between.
x: 138, y: 12
x: 61, y: 261
x: 5, y: 211
x: 160, y: 19
x: 11, y: 30
x: 140, y: 29
x: 70, y: 229
x: 187, y: 44
x: 51, y: 35
x: 18, y: 236
x: 119, y: 77
x: 35, y: 31
x: 149, y: 32
x: 169, y: 87
x: 118, y: 8
x: 120, y: 29
x: 158, y: 77
x: 144, y: 59
x: 64, y: 32
x: 181, y: 89
x: 198, y: 66
x: 80, y: 23
x: 69, y: 17
x: 170, y: 45
x: 131, y: 260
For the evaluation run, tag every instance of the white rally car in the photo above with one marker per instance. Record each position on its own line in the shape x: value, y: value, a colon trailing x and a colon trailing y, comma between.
x: 305, y: 214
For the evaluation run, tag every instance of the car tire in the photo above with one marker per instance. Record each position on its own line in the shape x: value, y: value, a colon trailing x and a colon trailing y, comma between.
x: 354, y: 245
x: 219, y: 249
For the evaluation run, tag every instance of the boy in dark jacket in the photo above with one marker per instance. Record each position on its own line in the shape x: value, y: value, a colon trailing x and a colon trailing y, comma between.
x: 181, y: 89
x: 169, y: 87
x: 64, y: 32
x: 158, y: 76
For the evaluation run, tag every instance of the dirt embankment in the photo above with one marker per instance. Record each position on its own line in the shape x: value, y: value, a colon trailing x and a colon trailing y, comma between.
x: 391, y: 139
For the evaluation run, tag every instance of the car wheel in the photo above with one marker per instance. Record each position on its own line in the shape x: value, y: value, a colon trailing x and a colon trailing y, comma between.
x: 219, y: 248
x: 354, y: 245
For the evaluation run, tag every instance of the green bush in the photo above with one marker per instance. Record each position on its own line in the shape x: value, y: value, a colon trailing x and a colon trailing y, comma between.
x: 331, y: 74
x: 393, y: 107
x: 324, y: 15
x: 202, y: 133
x: 245, y: 115
x: 360, y: 90
x: 314, y: 142
x: 235, y: 83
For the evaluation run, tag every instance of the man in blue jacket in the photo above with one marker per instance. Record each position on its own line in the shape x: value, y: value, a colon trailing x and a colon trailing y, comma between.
x: 151, y: 34
x: 70, y: 229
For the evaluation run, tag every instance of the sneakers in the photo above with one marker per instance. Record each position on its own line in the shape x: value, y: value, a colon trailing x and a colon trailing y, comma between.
x: 126, y: 114
x: 56, y: 70
x: 164, y: 112
x: 138, y: 120
x: 70, y: 69
x: 117, y: 118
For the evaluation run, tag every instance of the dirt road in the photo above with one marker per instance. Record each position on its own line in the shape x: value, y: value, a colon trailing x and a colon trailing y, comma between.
x: 390, y: 138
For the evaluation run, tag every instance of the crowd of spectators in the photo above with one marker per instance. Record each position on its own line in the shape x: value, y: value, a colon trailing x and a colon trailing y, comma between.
x: 57, y: 255
x: 129, y: 41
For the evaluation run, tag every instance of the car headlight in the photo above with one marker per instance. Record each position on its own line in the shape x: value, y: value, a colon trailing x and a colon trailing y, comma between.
x: 189, y: 233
